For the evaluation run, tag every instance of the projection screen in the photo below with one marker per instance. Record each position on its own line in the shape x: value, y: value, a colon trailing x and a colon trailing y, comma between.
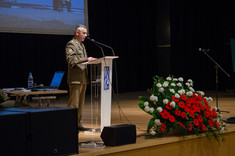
x: 42, y: 16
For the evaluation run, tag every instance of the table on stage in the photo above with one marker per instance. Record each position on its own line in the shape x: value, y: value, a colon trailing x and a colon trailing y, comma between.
x: 38, y: 95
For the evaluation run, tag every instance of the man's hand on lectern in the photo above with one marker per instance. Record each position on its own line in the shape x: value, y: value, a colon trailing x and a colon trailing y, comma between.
x: 91, y: 58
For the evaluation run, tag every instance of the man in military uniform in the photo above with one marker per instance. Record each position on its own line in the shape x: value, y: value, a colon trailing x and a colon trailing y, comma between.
x: 76, y: 56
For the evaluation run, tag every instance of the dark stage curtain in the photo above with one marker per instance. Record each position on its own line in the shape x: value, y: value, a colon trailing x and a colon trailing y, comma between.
x: 130, y: 28
x: 202, y: 24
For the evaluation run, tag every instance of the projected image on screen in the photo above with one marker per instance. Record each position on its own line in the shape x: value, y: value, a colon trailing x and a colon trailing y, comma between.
x: 41, y: 16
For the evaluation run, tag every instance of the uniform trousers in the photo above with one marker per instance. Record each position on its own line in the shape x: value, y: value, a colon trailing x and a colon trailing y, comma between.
x: 77, y: 99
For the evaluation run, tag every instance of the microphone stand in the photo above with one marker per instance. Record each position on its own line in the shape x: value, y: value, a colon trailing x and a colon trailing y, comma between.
x: 217, y: 66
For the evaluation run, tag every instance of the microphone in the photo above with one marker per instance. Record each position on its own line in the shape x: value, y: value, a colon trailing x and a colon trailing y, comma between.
x: 96, y: 42
x: 93, y: 41
x: 203, y: 49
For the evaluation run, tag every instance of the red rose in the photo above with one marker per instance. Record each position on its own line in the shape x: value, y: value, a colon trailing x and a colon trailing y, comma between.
x: 177, y: 112
x: 181, y: 104
x: 203, y: 128
x: 163, y: 127
x: 186, y: 109
x: 217, y: 124
x: 207, y: 114
x: 165, y: 114
x: 188, y: 104
x: 168, y: 106
x: 213, y: 113
x: 207, y: 107
x: 183, y: 115
x: 199, y: 97
x: 196, y: 122
x: 190, y: 100
x: 199, y: 117
x: 183, y: 97
x: 193, y: 110
x: 190, y: 127
x: 172, y: 118
x: 175, y: 99
x: 210, y: 123
x: 200, y: 106
x: 212, y: 120
x: 192, y: 114
x: 205, y: 101
x: 182, y: 125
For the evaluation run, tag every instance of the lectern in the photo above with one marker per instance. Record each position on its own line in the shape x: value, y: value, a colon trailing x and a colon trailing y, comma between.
x: 101, y: 91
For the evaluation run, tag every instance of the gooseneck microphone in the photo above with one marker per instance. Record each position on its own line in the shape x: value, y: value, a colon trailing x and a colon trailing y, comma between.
x: 92, y: 40
x: 102, y: 44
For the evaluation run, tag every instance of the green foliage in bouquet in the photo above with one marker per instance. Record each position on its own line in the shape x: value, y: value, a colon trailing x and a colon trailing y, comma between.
x: 174, y: 103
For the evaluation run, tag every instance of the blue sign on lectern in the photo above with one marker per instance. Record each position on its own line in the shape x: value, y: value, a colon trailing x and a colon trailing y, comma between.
x: 106, y: 77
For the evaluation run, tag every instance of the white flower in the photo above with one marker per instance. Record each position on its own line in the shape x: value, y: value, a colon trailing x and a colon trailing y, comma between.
x: 175, y: 79
x: 165, y: 101
x: 153, y: 98
x: 190, y: 81
x: 172, y: 104
x: 159, y: 109
x: 177, y: 95
x: 158, y: 85
x: 189, y: 93
x: 180, y: 79
x: 222, y: 129
x: 152, y: 132
x: 172, y: 90
x: 151, y: 110
x: 187, y: 84
x: 157, y: 122
x: 191, y: 88
x: 161, y: 90
x: 173, y: 84
x: 181, y: 91
x: 168, y: 78
x: 210, y: 99
x: 216, y: 109
x: 201, y: 93
x: 146, y: 108
x: 146, y: 103
x: 165, y: 84
x: 179, y: 84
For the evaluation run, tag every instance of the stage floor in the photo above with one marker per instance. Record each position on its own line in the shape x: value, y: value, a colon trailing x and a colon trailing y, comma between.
x: 126, y: 111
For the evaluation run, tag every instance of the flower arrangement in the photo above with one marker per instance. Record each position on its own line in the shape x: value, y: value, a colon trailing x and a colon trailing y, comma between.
x: 174, y: 103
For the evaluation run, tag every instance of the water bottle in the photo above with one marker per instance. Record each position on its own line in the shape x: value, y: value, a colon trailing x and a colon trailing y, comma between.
x: 30, y: 81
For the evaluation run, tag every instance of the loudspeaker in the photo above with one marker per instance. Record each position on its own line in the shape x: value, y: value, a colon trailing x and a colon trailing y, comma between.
x: 13, y: 134
x: 119, y: 135
x: 51, y: 131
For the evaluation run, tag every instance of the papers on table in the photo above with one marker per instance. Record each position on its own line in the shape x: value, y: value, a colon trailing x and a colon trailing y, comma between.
x: 16, y: 89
